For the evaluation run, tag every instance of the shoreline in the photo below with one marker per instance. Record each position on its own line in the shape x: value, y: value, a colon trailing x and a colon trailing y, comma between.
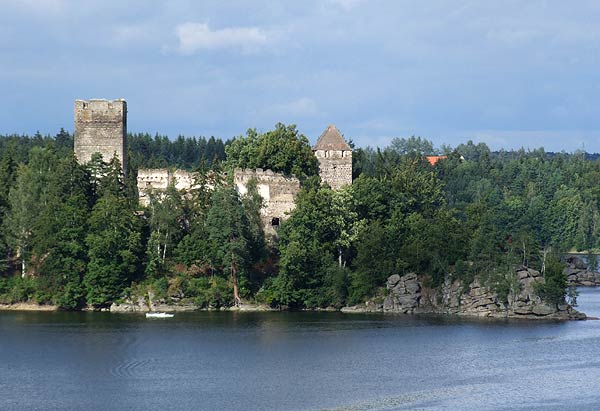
x: 25, y: 306
x: 255, y: 308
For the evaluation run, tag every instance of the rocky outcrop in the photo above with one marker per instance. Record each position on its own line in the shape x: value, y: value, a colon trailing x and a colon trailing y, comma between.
x: 129, y: 306
x: 148, y: 303
x: 577, y: 273
x: 404, y: 294
x: 367, y: 307
x: 478, y: 300
x: 28, y: 307
x: 407, y: 295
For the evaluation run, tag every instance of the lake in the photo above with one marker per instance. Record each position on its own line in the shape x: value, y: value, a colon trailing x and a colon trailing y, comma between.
x: 297, y: 361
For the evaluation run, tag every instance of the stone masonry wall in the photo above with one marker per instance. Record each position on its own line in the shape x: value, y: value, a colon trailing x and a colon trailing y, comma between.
x: 335, y: 167
x: 278, y: 192
x: 100, y: 126
x: 157, y: 179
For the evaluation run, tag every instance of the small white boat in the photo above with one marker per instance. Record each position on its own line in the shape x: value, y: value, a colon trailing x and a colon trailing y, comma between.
x: 159, y: 315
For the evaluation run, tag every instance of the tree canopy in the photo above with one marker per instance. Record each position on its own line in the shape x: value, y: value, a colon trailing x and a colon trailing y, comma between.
x: 76, y: 236
x: 282, y: 150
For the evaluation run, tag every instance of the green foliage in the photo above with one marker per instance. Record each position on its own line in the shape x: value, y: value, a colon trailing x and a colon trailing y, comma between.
x: 373, y: 264
x: 283, y: 149
x: 159, y: 151
x: 234, y: 243
x: 61, y: 236
x: 413, y: 146
x: 113, y: 244
x: 503, y: 279
x: 279, y: 290
x: 77, y: 236
x: 227, y: 229
x: 28, y: 199
x: 210, y: 292
x: 17, y: 289
x: 166, y: 216
x: 8, y: 168
x: 554, y: 288
x: 160, y: 287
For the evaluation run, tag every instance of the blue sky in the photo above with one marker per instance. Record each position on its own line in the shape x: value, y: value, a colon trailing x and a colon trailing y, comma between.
x: 508, y: 73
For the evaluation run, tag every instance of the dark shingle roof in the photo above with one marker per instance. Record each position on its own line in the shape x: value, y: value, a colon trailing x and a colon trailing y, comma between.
x: 331, y: 139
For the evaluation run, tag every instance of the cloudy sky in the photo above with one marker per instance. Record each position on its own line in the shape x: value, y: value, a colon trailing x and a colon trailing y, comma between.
x: 508, y: 73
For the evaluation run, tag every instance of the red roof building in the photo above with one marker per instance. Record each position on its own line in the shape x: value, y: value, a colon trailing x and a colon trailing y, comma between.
x: 434, y: 159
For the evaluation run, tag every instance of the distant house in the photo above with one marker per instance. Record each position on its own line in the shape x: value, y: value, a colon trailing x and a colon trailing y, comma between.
x: 434, y: 159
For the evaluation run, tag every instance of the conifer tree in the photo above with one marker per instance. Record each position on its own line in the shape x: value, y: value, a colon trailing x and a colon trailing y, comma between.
x: 227, y: 229
x: 113, y: 242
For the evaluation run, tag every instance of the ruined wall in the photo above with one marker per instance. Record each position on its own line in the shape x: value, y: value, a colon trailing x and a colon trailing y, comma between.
x: 157, y: 179
x: 100, y: 126
x: 278, y: 192
x: 335, y: 167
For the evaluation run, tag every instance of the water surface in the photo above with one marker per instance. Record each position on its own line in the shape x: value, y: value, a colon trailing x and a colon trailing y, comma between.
x: 297, y: 361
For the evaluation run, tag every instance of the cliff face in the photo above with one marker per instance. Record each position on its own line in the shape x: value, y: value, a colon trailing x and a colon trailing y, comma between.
x: 408, y: 295
x: 578, y: 273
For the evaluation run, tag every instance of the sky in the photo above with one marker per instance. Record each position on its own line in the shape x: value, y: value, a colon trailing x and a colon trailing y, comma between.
x: 511, y: 73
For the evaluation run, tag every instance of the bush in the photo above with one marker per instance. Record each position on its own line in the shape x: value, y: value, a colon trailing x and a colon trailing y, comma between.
x: 17, y: 289
x: 554, y: 289
x: 160, y: 287
x: 277, y: 291
x: 213, y: 292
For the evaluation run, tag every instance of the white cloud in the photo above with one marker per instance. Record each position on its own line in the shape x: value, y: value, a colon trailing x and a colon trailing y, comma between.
x: 198, y: 36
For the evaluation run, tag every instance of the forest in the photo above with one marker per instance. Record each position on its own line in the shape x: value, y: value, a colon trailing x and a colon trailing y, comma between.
x: 76, y: 237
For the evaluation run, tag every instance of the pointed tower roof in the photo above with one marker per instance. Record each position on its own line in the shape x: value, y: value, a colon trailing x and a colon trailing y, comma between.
x: 331, y: 139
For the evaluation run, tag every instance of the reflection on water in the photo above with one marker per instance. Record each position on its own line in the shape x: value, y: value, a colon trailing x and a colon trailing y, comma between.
x: 297, y: 361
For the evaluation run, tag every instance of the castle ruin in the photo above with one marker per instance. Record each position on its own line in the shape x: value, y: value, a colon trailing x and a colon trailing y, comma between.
x: 335, y: 158
x: 278, y: 193
x: 101, y: 127
x: 158, y: 179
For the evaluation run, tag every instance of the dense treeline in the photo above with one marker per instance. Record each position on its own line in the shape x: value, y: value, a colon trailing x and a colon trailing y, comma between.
x: 76, y: 236
x: 183, y: 152
x: 144, y: 151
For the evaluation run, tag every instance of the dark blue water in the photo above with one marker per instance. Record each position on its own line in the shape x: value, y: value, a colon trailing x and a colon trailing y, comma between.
x: 297, y: 361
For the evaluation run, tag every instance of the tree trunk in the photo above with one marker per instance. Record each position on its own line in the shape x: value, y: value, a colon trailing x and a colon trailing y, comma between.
x: 158, y: 243
x: 236, y: 294
x: 164, y: 254
x: 23, y: 263
x: 545, y: 252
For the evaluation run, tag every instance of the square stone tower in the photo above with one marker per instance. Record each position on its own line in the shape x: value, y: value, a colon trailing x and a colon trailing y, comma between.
x: 335, y: 158
x: 101, y: 127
